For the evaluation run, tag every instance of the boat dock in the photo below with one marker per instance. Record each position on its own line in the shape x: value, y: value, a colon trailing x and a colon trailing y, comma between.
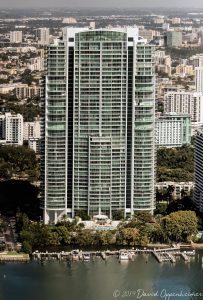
x: 103, y: 255
x: 164, y: 256
x: 161, y: 255
x: 184, y: 256
x: 168, y: 249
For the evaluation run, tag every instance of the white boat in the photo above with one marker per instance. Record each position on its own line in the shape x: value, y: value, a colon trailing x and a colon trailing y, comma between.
x: 131, y: 254
x: 75, y: 254
x: 190, y: 253
x: 86, y: 256
x: 123, y: 255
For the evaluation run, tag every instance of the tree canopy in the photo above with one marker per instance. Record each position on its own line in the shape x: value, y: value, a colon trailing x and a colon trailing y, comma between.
x: 19, y: 195
x: 17, y: 160
x: 175, y: 164
x: 142, y: 229
x: 180, y: 226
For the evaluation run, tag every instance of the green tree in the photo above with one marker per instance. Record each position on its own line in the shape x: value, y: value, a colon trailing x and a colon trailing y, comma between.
x: 64, y: 234
x: 82, y: 214
x: 28, y: 236
x: 180, y: 226
x: 26, y: 247
x: 19, y: 160
x: 5, y: 170
x: 118, y: 215
x: 105, y: 238
x: 169, y: 193
x: 54, y: 238
x: 161, y: 209
x: 185, y: 203
x: 143, y: 217
x: 175, y: 164
x: 84, y: 237
x: 27, y: 77
x: 129, y: 236
x: 157, y: 233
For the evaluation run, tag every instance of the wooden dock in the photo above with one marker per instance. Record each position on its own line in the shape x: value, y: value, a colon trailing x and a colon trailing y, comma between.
x: 168, y: 249
x: 162, y: 255
x: 184, y: 256
x: 103, y: 255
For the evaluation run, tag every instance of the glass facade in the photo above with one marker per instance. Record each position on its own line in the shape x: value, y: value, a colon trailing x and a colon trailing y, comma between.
x: 144, y: 123
x: 55, y: 132
x: 100, y: 113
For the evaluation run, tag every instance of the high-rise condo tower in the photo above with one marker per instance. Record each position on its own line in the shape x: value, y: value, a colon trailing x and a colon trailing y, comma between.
x: 98, y: 149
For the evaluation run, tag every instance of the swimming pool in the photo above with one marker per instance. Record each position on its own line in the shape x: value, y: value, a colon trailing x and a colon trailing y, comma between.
x: 100, y: 228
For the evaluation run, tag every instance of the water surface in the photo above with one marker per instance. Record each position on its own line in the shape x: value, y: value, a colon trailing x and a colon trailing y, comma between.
x: 143, y: 278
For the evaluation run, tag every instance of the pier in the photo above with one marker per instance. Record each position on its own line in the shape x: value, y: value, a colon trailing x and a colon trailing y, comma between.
x: 103, y: 255
x: 168, y: 249
x: 161, y: 255
x: 184, y: 256
x: 164, y: 256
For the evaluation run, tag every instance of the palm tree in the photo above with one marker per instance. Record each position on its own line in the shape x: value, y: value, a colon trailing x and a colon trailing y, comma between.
x: 183, y: 193
x: 169, y: 193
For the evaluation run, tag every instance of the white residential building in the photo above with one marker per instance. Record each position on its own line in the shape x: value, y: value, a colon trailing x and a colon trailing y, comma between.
x: 31, y: 130
x: 69, y: 20
x: 159, y: 20
x: 179, y: 187
x: 175, y: 21
x: 11, y: 129
x: 16, y: 37
x: 196, y: 60
x: 34, y: 144
x: 148, y: 34
x: 21, y: 90
x: 166, y: 26
x: 42, y: 36
x: 36, y: 64
x: 173, y: 130
x: 163, y: 62
x: 7, y: 88
x: 199, y: 79
x: 185, y: 103
x: 196, y: 127
x: 24, y: 91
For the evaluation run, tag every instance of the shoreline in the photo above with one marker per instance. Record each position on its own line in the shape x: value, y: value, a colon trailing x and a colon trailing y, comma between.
x: 118, y: 247
x: 182, y: 246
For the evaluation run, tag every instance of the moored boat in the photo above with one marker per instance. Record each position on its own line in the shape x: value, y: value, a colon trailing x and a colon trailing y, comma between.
x: 75, y: 254
x: 123, y: 255
x: 86, y: 256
